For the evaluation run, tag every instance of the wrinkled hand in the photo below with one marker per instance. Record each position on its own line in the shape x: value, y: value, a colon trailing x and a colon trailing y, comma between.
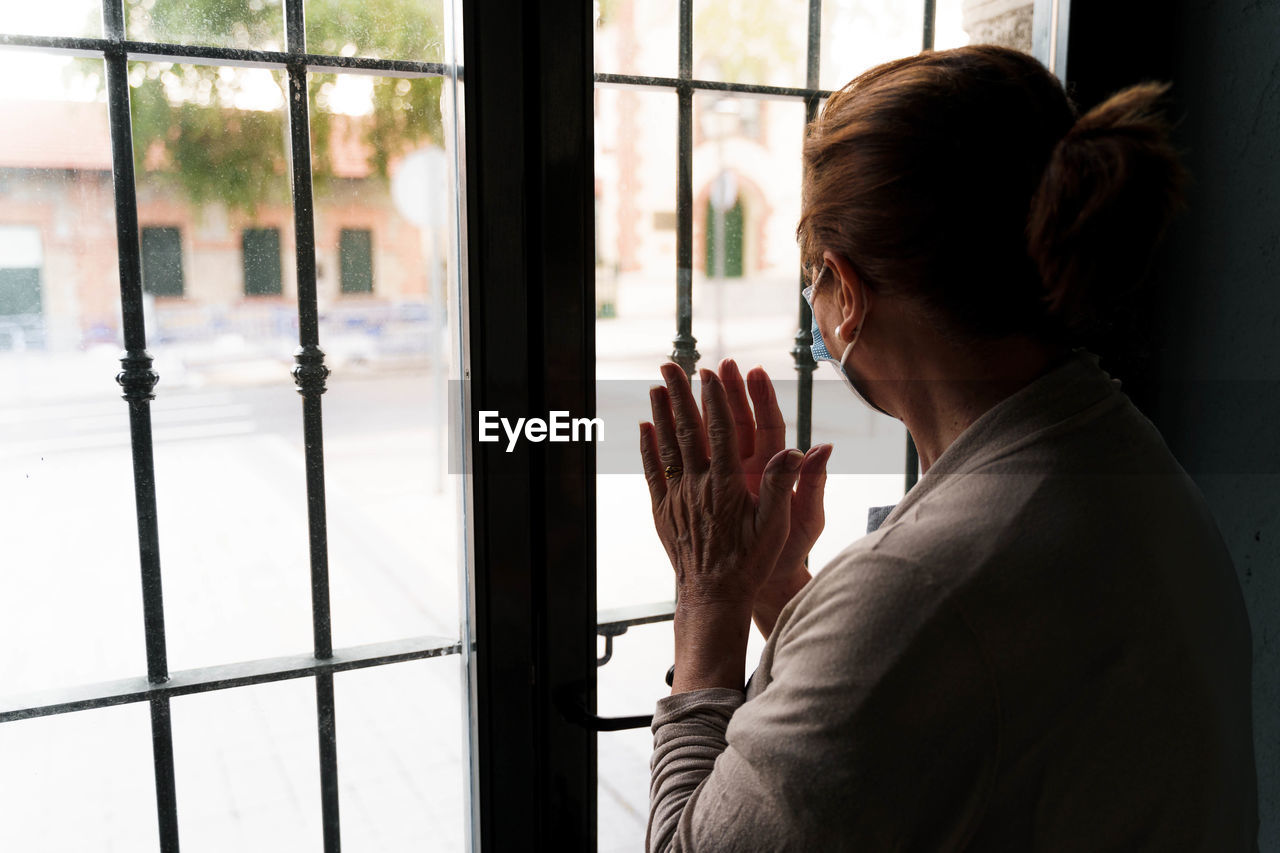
x: 761, y: 435
x: 723, y: 538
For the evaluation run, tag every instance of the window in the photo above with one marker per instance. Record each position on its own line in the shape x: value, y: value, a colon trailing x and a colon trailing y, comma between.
x: 355, y: 257
x: 261, y: 250
x: 162, y: 261
x: 292, y: 666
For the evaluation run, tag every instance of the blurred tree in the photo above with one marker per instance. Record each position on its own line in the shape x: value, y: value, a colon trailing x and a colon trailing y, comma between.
x: 751, y: 41
x: 204, y: 129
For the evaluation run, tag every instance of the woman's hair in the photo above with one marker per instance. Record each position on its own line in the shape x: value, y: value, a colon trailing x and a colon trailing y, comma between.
x: 965, y: 179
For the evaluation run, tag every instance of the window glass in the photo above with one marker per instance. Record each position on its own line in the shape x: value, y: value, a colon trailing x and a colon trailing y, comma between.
x: 637, y: 37
x: 400, y: 754
x: 246, y: 24
x: 261, y: 250
x: 53, y: 18
x: 383, y: 208
x: 383, y: 29
x: 79, y: 781
x: 246, y: 770
x: 751, y: 41
x: 66, y: 479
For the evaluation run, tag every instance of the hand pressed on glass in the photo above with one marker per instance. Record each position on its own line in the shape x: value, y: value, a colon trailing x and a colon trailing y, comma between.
x: 726, y: 516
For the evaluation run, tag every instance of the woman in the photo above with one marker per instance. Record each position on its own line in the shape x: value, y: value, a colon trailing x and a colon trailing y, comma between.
x: 1044, y: 645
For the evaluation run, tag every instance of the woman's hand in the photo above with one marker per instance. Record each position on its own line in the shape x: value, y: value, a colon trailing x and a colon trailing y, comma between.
x: 761, y: 435
x: 723, y: 540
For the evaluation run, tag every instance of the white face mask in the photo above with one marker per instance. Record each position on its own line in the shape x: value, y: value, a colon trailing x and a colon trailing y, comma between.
x: 821, y: 353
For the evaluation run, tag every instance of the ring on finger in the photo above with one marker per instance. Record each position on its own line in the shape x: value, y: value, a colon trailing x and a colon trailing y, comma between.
x: 672, y: 471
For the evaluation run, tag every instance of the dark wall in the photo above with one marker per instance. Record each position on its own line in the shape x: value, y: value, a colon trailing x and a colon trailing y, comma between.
x: 1212, y: 380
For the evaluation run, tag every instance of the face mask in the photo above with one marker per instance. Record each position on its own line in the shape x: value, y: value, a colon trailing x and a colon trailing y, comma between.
x: 820, y: 352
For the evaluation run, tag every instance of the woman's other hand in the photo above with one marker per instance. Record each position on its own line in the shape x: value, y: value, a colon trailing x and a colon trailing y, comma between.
x: 761, y: 433
x: 723, y: 540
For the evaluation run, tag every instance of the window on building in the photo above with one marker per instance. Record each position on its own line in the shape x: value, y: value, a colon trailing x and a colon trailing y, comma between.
x: 260, y: 248
x: 162, y: 261
x: 355, y: 260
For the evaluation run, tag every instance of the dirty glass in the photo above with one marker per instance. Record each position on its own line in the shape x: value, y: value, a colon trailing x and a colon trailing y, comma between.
x: 244, y: 24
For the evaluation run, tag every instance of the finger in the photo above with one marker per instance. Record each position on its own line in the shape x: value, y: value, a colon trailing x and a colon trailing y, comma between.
x: 691, y: 437
x: 721, y: 432
x: 664, y: 426
x: 774, y: 510
x: 806, y: 506
x: 771, y: 429
x: 736, y: 389
x: 652, y: 461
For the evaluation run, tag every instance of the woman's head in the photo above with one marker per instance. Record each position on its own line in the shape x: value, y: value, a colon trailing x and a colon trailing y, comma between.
x: 964, y: 181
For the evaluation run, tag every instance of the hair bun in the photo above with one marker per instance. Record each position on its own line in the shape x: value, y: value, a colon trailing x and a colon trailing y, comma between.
x: 1112, y: 185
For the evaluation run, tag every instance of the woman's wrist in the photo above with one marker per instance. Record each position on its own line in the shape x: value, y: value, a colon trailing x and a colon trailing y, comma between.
x: 781, y: 587
x: 711, y: 643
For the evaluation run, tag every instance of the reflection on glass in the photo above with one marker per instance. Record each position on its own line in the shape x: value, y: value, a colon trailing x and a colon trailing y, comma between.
x: 66, y: 482
x: 383, y: 219
x: 244, y: 24
x: 79, y: 781
x: 52, y: 18
x: 637, y: 37
x: 400, y: 743
x: 246, y: 768
x: 383, y: 29
x: 751, y: 41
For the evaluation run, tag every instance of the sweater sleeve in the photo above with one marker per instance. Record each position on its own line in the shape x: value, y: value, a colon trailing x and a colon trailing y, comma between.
x: 878, y: 729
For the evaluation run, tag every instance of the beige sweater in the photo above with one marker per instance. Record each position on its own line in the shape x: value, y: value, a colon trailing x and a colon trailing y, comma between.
x: 1043, y: 647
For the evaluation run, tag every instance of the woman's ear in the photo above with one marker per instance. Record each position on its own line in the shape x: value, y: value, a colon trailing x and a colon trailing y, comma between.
x: 850, y: 294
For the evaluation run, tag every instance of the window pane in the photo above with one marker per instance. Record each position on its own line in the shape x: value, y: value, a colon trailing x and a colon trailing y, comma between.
x: 80, y: 781
x: 53, y: 18
x: 246, y: 767
x: 751, y: 41
x: 384, y: 29
x: 637, y: 37
x: 256, y: 24
x: 210, y: 146
x: 1008, y: 23
x: 400, y: 756
x: 857, y: 34
x: 384, y: 205
x: 71, y: 603
x: 261, y: 248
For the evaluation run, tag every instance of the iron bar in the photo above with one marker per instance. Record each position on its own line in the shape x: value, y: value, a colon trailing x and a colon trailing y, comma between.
x: 930, y: 18
x: 685, y: 352
x: 639, y: 81
x: 801, y: 353
x: 221, y: 677
x: 231, y: 56
x: 138, y: 381
x: 310, y: 375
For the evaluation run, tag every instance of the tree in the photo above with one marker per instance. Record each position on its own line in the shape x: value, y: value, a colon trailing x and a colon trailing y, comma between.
x: 192, y: 127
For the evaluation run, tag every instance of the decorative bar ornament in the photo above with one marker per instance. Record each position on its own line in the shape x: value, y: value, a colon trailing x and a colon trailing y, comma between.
x: 311, y: 371
x: 136, y: 376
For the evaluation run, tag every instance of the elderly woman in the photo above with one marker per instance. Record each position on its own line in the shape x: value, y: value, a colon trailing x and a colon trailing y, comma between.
x: 1043, y: 646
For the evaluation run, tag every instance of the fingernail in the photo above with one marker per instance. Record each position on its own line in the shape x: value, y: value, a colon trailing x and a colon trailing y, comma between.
x: 794, y: 458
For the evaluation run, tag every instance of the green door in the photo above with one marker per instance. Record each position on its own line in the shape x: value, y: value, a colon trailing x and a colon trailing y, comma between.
x: 733, y: 228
